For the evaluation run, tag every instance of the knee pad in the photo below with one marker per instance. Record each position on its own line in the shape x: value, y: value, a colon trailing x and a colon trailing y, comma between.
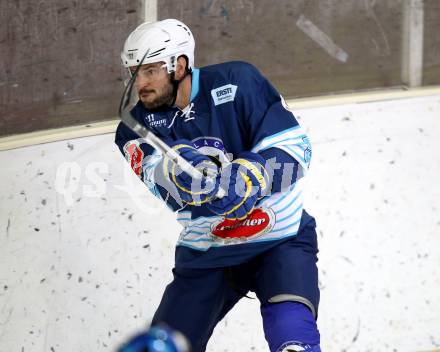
x: 290, y: 327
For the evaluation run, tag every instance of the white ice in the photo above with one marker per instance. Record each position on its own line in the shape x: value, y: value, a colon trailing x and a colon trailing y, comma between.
x: 82, y: 270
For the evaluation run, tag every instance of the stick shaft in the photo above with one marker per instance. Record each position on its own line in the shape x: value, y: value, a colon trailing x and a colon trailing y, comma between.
x: 161, y: 146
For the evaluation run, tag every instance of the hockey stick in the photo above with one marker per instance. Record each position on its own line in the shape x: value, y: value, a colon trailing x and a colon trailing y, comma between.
x: 153, y: 140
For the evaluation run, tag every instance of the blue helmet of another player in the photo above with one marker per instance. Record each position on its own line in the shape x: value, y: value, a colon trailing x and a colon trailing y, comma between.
x: 157, y: 339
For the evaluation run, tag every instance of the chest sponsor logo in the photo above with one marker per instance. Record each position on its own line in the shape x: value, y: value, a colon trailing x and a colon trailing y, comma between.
x: 259, y: 222
x: 153, y: 122
x: 224, y: 94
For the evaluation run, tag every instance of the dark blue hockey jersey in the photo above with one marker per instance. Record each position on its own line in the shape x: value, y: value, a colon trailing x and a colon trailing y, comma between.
x: 232, y: 109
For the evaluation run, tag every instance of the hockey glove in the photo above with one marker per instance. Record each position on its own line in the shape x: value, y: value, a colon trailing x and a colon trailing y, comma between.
x: 245, y: 180
x: 192, y: 191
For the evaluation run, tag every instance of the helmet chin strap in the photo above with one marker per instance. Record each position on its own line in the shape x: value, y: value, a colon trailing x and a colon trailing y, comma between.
x: 175, y: 84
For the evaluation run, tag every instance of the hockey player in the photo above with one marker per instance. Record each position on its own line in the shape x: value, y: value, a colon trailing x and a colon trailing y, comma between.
x: 228, y: 119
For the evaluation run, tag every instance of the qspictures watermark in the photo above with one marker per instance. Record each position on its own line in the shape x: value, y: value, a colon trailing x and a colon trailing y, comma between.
x: 93, y: 180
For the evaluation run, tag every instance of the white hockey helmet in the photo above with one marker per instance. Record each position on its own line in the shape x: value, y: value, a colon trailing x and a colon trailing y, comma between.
x: 164, y: 40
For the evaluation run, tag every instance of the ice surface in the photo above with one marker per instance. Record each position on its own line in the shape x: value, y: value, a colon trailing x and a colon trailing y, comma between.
x: 82, y: 269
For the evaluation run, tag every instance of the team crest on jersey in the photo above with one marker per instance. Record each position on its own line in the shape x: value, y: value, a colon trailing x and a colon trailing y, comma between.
x: 259, y: 222
x: 224, y: 94
x: 134, y: 155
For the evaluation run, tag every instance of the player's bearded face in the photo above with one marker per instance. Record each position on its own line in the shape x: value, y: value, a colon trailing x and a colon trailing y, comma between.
x: 154, y: 86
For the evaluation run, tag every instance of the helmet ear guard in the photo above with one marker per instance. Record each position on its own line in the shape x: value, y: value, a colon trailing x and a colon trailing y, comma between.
x: 172, y: 63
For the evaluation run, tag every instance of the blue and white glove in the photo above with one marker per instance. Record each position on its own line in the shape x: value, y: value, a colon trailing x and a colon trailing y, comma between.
x: 192, y: 191
x: 245, y: 180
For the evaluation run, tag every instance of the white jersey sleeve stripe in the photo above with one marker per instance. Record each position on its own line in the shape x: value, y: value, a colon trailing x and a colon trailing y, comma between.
x: 291, y: 201
x: 277, y: 137
x: 288, y: 226
x: 289, y: 216
x: 276, y: 198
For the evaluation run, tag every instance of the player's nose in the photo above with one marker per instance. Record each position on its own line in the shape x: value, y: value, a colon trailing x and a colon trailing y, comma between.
x: 141, y: 81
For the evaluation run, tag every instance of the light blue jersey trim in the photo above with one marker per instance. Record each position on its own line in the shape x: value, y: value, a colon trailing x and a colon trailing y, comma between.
x: 213, y: 244
x: 258, y: 146
x: 289, y: 204
x: 195, y: 240
x: 298, y: 157
x: 206, y: 226
x: 280, y: 199
x: 288, y: 226
x: 291, y: 215
x: 291, y: 234
x: 194, y: 83
x: 182, y: 244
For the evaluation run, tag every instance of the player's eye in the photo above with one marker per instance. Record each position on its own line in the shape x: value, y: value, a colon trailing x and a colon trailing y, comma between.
x: 151, y: 72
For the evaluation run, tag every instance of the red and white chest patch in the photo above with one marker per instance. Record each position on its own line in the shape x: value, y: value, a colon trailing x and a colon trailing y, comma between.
x: 259, y: 222
x: 134, y: 155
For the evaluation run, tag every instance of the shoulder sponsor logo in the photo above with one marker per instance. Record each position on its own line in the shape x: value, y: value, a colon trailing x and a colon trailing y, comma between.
x: 224, y: 94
